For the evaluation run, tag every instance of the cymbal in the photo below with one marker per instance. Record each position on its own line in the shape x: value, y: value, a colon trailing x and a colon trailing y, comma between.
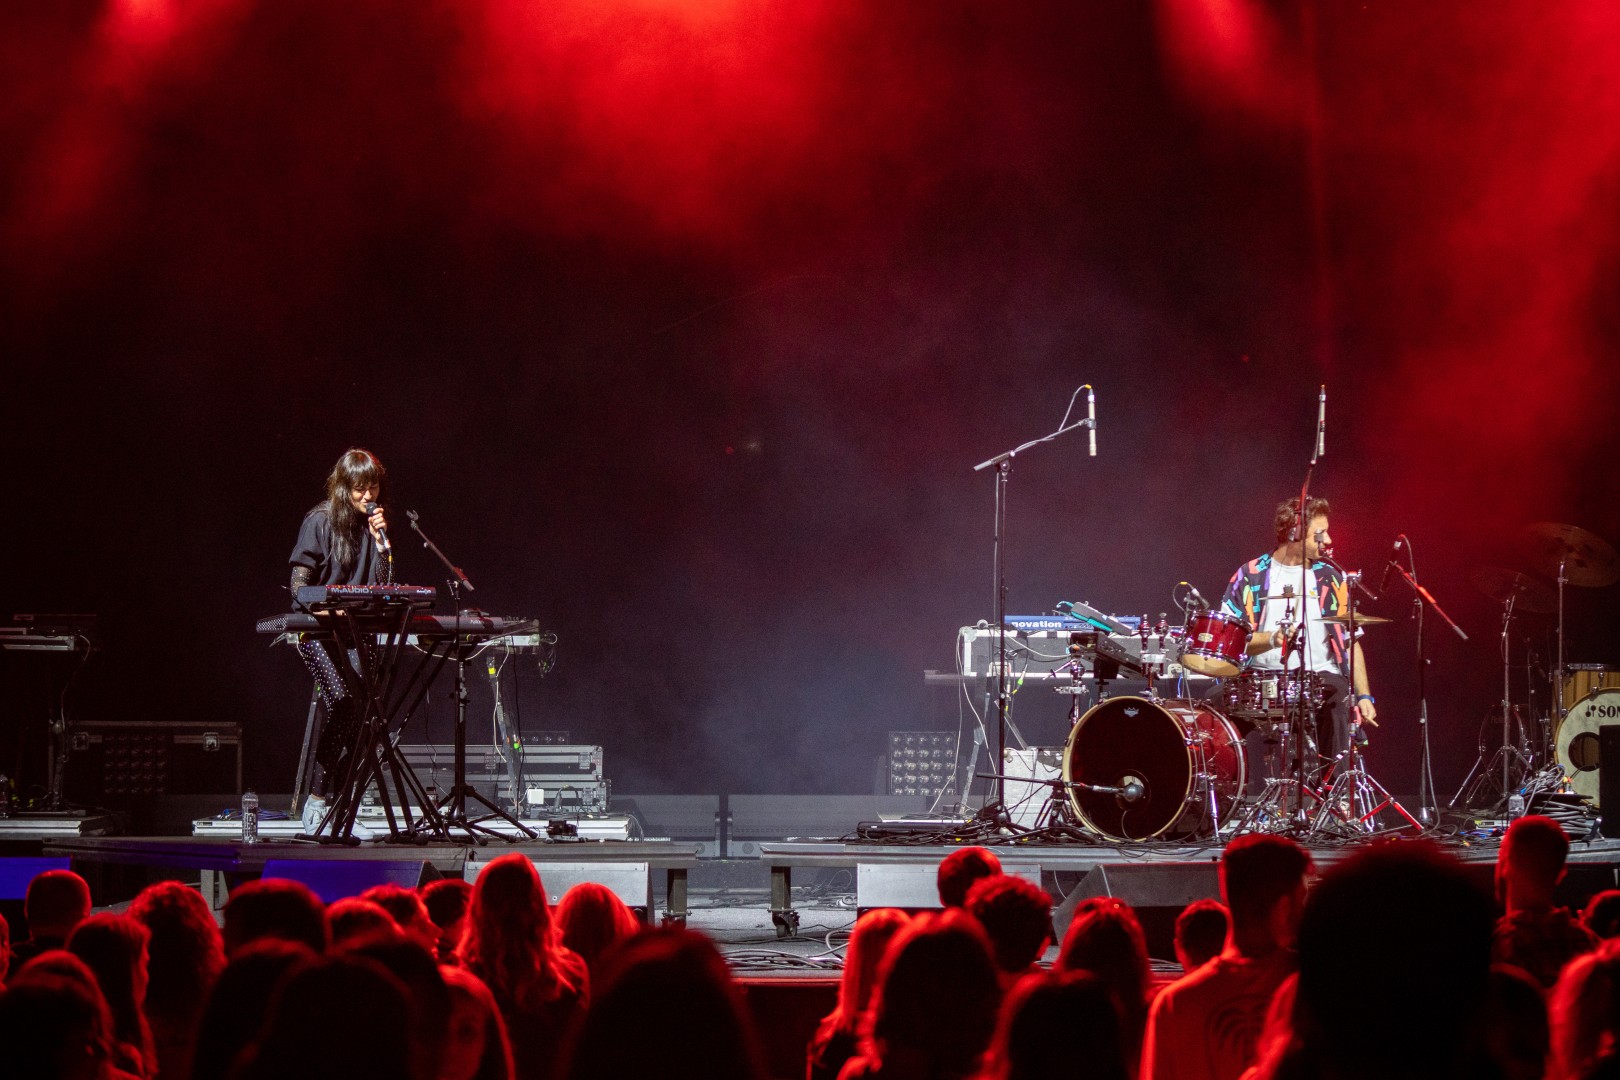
x: 1527, y: 594
x: 1360, y: 620
x: 1591, y: 560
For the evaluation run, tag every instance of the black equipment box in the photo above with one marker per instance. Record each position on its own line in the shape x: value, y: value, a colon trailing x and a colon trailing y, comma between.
x: 118, y: 762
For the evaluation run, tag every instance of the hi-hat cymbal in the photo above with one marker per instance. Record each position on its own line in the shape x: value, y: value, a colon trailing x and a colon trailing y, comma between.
x: 1587, y: 558
x: 1527, y: 594
x: 1360, y: 620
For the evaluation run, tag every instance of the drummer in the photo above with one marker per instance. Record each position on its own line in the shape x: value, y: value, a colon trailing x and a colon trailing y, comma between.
x: 1257, y: 594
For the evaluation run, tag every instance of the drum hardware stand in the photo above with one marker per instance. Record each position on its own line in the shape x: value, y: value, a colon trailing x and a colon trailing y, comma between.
x: 452, y: 805
x: 1002, y: 463
x: 1301, y: 644
x: 1558, y: 662
x: 1508, y: 754
x: 1303, y: 715
x: 1365, y: 796
x: 1544, y: 751
x: 1272, y: 805
x: 1154, y: 670
x: 1055, y: 814
x: 1353, y: 786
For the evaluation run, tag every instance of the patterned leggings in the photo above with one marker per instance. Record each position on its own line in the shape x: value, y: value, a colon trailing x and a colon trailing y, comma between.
x: 342, y: 710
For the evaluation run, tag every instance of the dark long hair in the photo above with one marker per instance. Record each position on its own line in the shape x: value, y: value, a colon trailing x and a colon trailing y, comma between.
x: 114, y: 948
x: 511, y: 942
x: 356, y: 470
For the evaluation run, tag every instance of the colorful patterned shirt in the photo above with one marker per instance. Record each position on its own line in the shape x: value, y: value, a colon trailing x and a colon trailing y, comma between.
x: 1245, y: 598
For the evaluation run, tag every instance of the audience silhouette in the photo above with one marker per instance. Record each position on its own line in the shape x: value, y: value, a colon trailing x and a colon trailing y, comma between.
x: 53, y: 905
x: 838, y: 1036
x: 1017, y: 916
x: 185, y: 954
x: 592, y: 920
x: 935, y: 1005
x: 671, y: 988
x: 511, y: 943
x: 1533, y: 934
x: 960, y: 869
x: 239, y: 1001
x: 1206, y: 1025
x: 1395, y: 965
x: 1065, y: 1023
x: 1105, y: 939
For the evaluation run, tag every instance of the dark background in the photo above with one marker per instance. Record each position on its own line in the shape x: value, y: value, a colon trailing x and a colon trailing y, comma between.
x: 682, y: 324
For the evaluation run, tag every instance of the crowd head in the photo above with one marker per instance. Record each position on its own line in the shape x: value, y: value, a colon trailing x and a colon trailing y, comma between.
x: 1395, y: 964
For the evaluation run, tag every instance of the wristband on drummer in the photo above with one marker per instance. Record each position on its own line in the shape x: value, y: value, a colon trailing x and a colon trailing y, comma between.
x: 1366, y: 697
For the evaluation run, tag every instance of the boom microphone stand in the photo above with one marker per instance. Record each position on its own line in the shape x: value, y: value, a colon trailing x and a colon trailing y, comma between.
x: 1420, y: 596
x: 1304, y: 714
x: 453, y: 804
x: 1002, y: 463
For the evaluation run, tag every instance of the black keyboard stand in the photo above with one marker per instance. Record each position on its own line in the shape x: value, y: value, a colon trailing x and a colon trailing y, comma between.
x: 370, y: 635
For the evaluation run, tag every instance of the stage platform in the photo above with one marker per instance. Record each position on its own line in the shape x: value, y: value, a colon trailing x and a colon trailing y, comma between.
x: 628, y: 867
x: 654, y: 874
x: 778, y: 852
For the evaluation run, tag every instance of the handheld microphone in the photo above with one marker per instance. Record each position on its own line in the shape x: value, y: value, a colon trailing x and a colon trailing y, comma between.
x: 1383, y: 583
x: 382, y: 533
x: 1091, y: 415
x: 1321, y: 421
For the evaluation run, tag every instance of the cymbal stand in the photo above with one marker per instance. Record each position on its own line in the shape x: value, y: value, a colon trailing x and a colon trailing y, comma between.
x: 1353, y: 786
x: 1542, y: 753
x: 1366, y: 797
x: 1513, y: 752
x: 1558, y: 662
x: 452, y: 805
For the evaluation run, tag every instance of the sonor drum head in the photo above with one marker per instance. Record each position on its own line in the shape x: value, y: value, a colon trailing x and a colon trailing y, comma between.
x: 1578, y: 740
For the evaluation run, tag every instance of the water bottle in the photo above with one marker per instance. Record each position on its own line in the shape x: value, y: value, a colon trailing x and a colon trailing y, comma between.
x: 250, y: 817
x: 1515, y: 806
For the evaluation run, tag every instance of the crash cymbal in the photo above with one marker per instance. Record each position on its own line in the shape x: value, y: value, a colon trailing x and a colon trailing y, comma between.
x: 1360, y: 620
x: 1588, y: 559
x: 1527, y: 594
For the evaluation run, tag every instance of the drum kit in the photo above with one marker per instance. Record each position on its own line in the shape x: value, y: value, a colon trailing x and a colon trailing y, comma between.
x: 1148, y: 768
x: 1552, y: 749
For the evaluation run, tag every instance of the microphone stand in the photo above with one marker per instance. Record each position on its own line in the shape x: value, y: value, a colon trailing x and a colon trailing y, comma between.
x: 453, y: 804
x: 1301, y: 646
x: 1002, y: 463
x: 1426, y: 793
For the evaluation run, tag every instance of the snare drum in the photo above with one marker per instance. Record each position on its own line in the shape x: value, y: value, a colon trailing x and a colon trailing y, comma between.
x: 1258, y: 696
x: 1215, y: 643
x: 1187, y: 758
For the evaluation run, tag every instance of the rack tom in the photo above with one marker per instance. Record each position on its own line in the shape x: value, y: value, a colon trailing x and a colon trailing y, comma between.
x: 1214, y: 644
